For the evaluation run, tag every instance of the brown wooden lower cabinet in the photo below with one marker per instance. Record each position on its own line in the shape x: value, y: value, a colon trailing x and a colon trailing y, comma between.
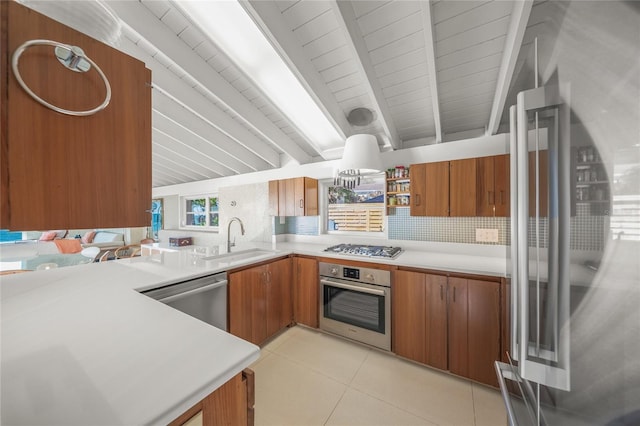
x: 305, y: 291
x: 420, y: 317
x: 260, y: 301
x: 230, y: 404
x: 474, y: 328
x: 448, y: 322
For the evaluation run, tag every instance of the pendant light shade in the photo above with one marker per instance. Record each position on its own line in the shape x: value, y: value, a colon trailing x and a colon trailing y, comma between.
x: 361, y: 156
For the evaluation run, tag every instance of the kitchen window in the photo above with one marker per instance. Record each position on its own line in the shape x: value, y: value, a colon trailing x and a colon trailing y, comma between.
x: 358, y: 210
x: 200, y: 212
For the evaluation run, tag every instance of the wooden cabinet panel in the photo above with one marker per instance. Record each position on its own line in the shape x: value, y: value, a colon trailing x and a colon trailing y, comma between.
x: 502, y: 186
x: 62, y: 171
x: 310, y: 197
x: 485, y: 193
x: 260, y: 301
x: 437, y: 347
x: 282, y: 200
x: 483, y: 330
x: 247, y: 304
x: 279, y: 298
x: 505, y: 321
x: 293, y: 197
x: 458, y: 327
x: 462, y: 191
x: 230, y: 404
x: 448, y: 322
x: 305, y: 291
x: 543, y: 183
x: 492, y: 193
x: 274, y: 197
x: 417, y: 189
x: 409, y: 315
x: 437, y: 189
x: 289, y: 197
x: 420, y: 317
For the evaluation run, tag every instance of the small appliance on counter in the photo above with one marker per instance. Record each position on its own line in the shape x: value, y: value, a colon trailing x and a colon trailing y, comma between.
x: 180, y: 241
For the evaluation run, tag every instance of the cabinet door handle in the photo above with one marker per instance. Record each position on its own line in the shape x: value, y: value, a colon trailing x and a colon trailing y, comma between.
x: 441, y: 292
x: 417, y: 198
x: 301, y: 203
x: 454, y: 294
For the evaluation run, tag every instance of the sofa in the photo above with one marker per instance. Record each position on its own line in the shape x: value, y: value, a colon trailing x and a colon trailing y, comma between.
x: 103, y: 239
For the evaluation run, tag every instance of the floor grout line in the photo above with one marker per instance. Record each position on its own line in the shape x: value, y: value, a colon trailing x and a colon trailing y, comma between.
x: 301, y: 339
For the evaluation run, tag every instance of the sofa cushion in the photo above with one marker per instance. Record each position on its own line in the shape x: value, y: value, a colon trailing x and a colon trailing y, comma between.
x: 88, y: 237
x: 48, y: 236
x: 107, y: 237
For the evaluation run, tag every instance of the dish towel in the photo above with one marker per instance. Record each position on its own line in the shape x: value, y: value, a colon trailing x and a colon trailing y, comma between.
x: 68, y: 246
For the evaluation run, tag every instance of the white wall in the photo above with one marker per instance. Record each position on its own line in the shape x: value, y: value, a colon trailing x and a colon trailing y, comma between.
x: 478, y: 147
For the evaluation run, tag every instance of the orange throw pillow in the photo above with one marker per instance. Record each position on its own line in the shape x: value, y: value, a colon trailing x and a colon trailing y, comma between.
x: 68, y: 246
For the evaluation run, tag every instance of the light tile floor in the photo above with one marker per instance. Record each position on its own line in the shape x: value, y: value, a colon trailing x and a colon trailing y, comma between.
x: 305, y: 377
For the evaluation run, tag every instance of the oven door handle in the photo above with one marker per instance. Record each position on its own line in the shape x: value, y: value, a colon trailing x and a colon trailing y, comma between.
x: 354, y: 287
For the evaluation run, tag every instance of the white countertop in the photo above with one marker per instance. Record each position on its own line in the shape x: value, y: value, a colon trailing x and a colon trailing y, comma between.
x: 81, y: 345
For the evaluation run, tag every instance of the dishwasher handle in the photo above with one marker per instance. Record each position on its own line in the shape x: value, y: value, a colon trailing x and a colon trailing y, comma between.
x: 194, y: 291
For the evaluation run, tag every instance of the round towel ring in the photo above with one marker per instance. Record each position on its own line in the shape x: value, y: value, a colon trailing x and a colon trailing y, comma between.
x: 76, y: 56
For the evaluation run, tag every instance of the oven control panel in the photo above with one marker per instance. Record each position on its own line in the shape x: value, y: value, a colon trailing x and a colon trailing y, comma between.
x: 352, y: 273
x: 365, y: 275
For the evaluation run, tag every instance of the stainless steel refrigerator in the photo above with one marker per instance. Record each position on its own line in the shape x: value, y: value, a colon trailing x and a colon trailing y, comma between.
x: 575, y: 221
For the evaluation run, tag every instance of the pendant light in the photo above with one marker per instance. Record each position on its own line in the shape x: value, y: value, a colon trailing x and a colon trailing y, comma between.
x: 361, y: 158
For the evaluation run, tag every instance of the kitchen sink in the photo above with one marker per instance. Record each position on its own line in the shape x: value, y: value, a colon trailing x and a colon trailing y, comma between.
x: 236, y: 256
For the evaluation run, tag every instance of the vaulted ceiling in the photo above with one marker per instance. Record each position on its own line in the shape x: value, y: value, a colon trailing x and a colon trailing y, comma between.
x: 431, y: 72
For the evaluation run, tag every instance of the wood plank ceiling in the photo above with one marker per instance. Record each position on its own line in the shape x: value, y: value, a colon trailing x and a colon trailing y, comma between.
x: 431, y: 71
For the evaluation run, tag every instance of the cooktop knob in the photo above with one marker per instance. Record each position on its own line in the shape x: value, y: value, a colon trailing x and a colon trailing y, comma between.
x: 334, y: 271
x: 369, y: 277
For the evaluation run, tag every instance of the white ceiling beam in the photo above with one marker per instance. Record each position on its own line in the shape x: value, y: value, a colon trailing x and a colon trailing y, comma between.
x: 268, y: 17
x: 346, y: 17
x: 143, y: 21
x: 230, y: 151
x: 201, y: 146
x: 168, y: 159
x: 430, y: 52
x: 169, y: 83
x: 163, y: 142
x: 171, y: 174
x: 515, y: 34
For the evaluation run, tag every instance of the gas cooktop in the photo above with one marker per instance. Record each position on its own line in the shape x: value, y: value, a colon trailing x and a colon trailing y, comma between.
x: 364, y: 250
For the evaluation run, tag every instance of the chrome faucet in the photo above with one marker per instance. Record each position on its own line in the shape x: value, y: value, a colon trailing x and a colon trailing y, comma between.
x: 229, y: 243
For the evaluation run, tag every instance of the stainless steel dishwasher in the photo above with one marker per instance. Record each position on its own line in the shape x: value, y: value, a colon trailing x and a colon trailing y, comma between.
x: 204, y: 298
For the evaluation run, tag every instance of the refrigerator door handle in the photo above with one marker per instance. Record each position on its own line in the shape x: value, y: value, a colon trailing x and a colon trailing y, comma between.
x: 542, y: 331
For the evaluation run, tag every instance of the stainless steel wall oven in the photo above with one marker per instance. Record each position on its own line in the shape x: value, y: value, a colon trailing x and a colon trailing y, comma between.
x: 355, y: 302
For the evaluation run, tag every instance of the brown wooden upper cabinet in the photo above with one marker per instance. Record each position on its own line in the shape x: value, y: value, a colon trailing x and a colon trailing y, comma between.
x: 429, y: 189
x: 62, y: 171
x: 493, y: 197
x: 293, y: 197
x: 462, y: 187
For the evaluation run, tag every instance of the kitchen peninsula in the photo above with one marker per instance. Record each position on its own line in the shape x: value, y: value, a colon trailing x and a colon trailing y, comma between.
x: 82, y: 345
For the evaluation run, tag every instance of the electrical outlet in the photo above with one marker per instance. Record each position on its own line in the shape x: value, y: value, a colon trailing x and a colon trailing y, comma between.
x: 484, y: 235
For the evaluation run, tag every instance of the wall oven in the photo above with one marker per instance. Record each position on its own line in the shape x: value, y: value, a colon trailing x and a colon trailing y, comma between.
x: 355, y: 302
